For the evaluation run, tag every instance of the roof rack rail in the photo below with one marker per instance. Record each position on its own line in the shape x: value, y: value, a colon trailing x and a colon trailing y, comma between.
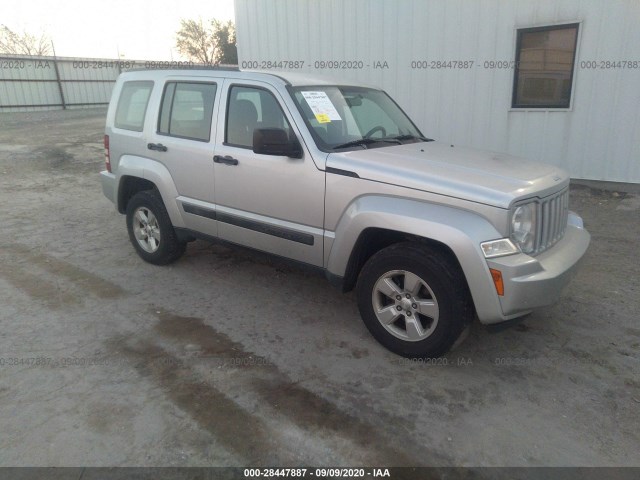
x: 188, y: 67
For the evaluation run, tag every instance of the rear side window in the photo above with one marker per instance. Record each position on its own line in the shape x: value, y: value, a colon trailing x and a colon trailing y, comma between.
x: 186, y: 110
x: 132, y: 105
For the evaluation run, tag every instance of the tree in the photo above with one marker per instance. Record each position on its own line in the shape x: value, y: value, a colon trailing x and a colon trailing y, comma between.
x: 214, y: 43
x: 23, y: 43
x: 225, y: 37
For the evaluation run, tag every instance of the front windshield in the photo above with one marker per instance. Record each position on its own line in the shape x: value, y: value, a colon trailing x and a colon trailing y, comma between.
x: 353, y: 117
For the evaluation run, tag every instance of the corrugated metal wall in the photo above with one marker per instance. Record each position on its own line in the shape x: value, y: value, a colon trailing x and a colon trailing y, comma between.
x: 29, y: 83
x: 598, y: 138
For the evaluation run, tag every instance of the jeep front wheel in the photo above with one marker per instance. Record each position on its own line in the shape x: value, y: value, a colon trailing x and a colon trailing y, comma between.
x: 413, y: 300
x: 150, y: 229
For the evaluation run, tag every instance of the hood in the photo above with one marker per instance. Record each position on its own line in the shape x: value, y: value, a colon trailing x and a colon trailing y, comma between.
x: 486, y: 177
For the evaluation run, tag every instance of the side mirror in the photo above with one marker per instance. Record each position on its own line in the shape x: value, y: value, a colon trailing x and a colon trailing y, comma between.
x: 275, y: 141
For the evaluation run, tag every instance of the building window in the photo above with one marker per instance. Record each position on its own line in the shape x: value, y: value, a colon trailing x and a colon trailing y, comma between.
x: 545, y: 58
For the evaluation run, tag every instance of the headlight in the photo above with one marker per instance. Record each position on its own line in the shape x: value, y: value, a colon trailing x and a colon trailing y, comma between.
x: 523, y: 227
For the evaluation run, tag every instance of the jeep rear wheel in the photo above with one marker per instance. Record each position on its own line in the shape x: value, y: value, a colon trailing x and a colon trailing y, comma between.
x: 413, y: 300
x: 150, y: 229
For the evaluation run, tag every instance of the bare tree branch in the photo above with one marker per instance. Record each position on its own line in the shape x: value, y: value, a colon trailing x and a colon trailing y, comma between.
x: 23, y: 44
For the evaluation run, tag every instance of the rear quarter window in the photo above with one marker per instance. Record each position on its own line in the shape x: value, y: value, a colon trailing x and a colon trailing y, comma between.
x: 132, y: 105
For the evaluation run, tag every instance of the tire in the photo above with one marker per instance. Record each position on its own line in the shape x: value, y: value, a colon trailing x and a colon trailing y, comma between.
x: 150, y: 229
x: 414, y: 300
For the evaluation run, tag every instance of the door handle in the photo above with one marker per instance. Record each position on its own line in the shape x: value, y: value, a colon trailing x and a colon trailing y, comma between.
x: 226, y: 160
x: 156, y: 146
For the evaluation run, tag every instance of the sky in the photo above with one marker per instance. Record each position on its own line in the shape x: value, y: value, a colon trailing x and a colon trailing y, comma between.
x: 135, y: 29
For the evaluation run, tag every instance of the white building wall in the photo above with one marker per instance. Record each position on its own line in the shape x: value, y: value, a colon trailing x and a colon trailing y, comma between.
x: 598, y: 138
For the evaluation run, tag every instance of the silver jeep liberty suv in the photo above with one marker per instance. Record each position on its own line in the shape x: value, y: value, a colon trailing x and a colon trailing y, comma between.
x: 338, y: 177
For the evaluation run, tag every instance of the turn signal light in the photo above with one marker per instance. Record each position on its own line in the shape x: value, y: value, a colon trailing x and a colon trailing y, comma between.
x: 497, y: 281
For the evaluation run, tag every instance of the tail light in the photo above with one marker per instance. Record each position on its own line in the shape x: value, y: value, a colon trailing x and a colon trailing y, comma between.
x: 107, y: 155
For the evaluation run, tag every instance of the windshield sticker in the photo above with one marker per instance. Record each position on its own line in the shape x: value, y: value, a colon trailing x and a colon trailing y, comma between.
x: 321, y: 106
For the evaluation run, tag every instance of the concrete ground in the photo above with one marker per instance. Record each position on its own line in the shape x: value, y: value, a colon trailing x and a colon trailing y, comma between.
x: 230, y: 357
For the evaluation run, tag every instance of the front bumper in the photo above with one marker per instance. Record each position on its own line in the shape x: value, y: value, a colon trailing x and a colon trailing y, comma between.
x: 531, y: 282
x: 108, y: 181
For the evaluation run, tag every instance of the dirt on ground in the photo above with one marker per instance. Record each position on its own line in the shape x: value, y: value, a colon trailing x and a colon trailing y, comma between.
x: 232, y: 357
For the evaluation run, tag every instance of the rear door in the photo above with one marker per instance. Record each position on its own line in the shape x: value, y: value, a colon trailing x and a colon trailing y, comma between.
x: 272, y: 203
x: 183, y: 142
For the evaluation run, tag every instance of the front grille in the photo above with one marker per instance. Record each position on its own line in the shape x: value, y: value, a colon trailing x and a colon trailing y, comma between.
x: 553, y: 212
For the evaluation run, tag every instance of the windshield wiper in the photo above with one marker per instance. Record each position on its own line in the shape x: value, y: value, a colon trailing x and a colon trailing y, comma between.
x: 354, y: 143
x: 363, y: 142
x: 367, y: 141
x: 413, y: 137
